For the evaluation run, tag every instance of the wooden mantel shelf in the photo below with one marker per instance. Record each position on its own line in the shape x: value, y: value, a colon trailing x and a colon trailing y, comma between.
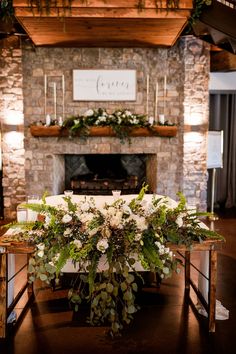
x: 56, y: 131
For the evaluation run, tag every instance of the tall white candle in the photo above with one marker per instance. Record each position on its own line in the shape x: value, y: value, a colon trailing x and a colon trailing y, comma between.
x: 156, y: 100
x: 63, y: 96
x: 45, y: 94
x: 147, y: 95
x: 55, y: 99
x: 164, y: 96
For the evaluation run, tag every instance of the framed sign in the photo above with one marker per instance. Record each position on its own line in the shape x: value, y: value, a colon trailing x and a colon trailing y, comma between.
x: 215, y: 149
x: 104, y: 85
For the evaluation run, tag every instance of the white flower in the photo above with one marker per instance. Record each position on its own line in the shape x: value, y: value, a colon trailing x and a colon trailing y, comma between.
x: 102, y: 245
x: 158, y: 244
x: 40, y: 253
x: 88, y: 113
x: 67, y: 232
x: 128, y: 113
x: 126, y: 209
x: 166, y: 270
x: 138, y: 236
x: 56, y: 257
x: 66, y: 218
x: 85, y: 206
x: 47, y: 220
x: 179, y: 221
x: 140, y: 222
x: 86, y: 217
x: 116, y: 219
x: 78, y: 243
x: 76, y: 121
x: 41, y: 246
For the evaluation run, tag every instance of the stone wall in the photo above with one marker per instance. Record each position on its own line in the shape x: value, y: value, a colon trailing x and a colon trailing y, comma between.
x: 12, y: 129
x: 179, y: 164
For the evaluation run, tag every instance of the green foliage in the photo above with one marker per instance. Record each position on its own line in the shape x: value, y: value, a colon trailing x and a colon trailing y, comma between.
x: 105, y: 243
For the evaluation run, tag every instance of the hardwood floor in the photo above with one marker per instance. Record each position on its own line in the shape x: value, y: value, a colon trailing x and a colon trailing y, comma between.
x: 166, y: 323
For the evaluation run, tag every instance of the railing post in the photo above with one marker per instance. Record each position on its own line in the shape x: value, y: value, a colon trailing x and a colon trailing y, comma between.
x: 3, y: 295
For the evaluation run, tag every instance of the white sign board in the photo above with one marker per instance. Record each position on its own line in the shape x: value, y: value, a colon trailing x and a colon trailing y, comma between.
x: 104, y: 85
x: 215, y: 149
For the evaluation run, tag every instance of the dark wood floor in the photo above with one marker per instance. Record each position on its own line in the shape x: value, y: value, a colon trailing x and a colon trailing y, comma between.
x: 165, y: 324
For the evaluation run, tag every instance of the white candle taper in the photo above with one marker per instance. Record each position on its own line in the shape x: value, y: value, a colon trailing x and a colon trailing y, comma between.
x: 156, y: 100
x: 147, y: 95
x: 55, y: 99
x: 63, y: 96
x: 164, y: 97
x: 45, y: 94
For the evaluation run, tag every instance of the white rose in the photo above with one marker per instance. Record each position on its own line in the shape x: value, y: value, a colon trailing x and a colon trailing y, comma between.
x: 102, y: 245
x: 86, y: 217
x: 166, y: 270
x: 140, y: 222
x: 179, y: 221
x: 66, y: 218
x: 41, y: 246
x: 138, y: 237
x: 88, y: 113
x: 85, y: 206
x: 40, y: 253
x: 126, y: 209
x: 111, y: 211
x: 67, y: 232
x: 78, y: 243
x: 56, y: 257
x: 47, y: 220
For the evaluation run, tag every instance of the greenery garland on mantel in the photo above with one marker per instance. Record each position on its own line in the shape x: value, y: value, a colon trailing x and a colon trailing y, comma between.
x: 7, y: 8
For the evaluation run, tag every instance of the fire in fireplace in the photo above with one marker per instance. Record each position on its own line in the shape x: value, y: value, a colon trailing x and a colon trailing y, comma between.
x: 101, y: 173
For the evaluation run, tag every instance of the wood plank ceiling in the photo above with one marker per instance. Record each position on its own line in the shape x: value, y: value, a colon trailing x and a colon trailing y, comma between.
x: 104, y: 23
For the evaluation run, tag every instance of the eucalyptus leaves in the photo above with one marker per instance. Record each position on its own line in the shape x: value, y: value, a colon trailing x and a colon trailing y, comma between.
x: 109, y: 246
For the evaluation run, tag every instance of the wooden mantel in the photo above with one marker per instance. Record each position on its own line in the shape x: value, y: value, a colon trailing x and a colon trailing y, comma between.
x: 99, y: 23
x: 56, y: 131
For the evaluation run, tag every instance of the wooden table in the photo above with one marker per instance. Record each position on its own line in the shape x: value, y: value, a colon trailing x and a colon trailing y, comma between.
x: 10, y: 247
x: 7, y: 246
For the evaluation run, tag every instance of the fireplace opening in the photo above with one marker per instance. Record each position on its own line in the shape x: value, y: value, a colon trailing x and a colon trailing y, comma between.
x: 101, y: 173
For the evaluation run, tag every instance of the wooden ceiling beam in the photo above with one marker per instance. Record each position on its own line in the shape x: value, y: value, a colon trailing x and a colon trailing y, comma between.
x: 149, y: 4
x: 223, y: 61
x: 112, y: 23
x: 106, y: 13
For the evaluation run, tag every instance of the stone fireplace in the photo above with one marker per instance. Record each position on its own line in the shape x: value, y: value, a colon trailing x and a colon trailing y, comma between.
x: 93, y: 174
x: 38, y: 164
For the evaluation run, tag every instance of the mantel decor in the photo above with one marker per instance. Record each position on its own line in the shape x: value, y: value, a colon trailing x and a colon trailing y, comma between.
x: 105, y: 243
x: 98, y: 122
x: 57, y: 131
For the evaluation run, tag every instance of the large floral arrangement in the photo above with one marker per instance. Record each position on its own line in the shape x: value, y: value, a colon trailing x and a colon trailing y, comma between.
x: 108, y: 245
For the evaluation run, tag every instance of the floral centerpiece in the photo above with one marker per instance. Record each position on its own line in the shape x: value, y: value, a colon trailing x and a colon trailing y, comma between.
x: 107, y: 244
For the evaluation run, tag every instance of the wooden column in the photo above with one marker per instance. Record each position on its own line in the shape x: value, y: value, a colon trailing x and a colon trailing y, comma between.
x: 212, y: 289
x: 3, y: 294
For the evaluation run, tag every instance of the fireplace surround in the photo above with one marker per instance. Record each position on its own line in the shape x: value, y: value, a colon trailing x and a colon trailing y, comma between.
x: 36, y: 164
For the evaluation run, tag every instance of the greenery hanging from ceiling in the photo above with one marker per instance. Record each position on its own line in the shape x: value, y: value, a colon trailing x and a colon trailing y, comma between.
x: 45, y: 6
